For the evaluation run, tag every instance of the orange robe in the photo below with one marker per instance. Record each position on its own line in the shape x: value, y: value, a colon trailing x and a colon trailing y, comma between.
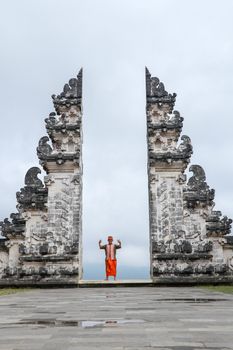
x: 110, y: 259
x: 111, y: 267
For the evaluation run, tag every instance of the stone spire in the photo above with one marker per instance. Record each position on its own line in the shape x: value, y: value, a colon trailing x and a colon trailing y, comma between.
x: 71, y: 94
x: 64, y: 129
x: 164, y: 127
x: 156, y: 93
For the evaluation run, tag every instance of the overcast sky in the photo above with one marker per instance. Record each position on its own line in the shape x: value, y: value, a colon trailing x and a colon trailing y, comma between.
x: 187, y: 44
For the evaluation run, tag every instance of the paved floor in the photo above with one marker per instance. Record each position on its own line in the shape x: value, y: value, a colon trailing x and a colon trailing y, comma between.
x: 116, y: 318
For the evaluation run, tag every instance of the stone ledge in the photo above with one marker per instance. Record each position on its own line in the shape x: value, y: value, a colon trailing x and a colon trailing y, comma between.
x: 182, y: 256
x: 171, y: 281
x: 192, y: 280
x: 39, y: 284
x: 47, y: 258
x: 112, y: 283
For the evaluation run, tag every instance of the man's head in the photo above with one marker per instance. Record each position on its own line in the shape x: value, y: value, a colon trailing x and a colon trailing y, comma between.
x: 110, y: 239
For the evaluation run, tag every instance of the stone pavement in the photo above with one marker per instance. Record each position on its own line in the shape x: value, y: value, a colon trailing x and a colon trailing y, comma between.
x: 116, y: 318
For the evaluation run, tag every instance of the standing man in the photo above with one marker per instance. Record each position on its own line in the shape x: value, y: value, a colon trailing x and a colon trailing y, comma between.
x: 110, y: 256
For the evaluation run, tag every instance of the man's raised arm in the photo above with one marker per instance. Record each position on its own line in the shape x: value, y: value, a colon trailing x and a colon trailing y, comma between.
x: 101, y: 246
x: 119, y: 244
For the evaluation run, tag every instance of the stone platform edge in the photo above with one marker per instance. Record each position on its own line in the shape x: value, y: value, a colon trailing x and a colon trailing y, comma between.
x: 159, y: 282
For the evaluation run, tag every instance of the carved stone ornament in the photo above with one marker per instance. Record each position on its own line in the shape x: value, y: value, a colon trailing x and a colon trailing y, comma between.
x: 183, y: 152
x: 51, y: 121
x: 14, y: 228
x: 217, y: 225
x: 197, y: 182
x: 186, y: 147
x: 156, y: 93
x: 71, y: 95
x: 76, y: 179
x: 31, y: 177
x: 34, y: 194
x: 197, y: 190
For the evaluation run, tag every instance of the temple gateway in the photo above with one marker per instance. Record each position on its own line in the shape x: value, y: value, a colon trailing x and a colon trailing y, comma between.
x: 190, y: 242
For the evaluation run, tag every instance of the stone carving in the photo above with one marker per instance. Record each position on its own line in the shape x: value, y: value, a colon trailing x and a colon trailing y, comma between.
x: 43, y: 237
x: 14, y: 228
x: 34, y: 194
x: 229, y: 240
x: 64, y: 128
x: 71, y: 95
x: 158, y: 247
x: 157, y: 88
x: 183, y: 246
x: 197, y: 190
x: 198, y: 181
x: 44, y: 150
x: 183, y: 152
x: 49, y: 180
x: 217, y: 225
x: 183, y: 225
x: 204, y: 247
x: 76, y: 180
x: 186, y: 147
x: 165, y: 122
x: 176, y: 117
x: 31, y: 177
x: 51, y: 121
x: 156, y: 93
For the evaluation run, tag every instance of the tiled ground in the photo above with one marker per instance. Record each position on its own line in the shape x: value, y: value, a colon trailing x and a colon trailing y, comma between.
x: 116, y: 318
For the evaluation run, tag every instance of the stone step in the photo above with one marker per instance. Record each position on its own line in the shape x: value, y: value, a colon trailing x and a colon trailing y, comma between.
x: 112, y: 283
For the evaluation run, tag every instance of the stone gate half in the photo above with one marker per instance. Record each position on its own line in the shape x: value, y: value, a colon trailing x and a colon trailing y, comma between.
x: 189, y: 241
x: 43, y: 240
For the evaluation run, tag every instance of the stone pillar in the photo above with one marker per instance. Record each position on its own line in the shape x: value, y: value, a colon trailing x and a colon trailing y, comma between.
x: 63, y: 164
x: 185, y: 232
x: 43, y: 241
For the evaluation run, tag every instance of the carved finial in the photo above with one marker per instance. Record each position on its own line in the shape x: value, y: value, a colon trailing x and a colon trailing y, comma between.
x: 198, y: 175
x: 186, y: 145
x: 74, y: 87
x: 218, y: 225
x: 31, y: 178
x: 71, y: 94
x: 198, y: 192
x: 156, y: 93
x: 33, y: 195
x: 43, y: 149
x: 51, y: 121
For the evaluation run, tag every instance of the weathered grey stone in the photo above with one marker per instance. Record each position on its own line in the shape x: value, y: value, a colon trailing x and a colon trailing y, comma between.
x: 187, y: 241
x: 117, y: 318
x: 43, y: 241
x: 43, y: 238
